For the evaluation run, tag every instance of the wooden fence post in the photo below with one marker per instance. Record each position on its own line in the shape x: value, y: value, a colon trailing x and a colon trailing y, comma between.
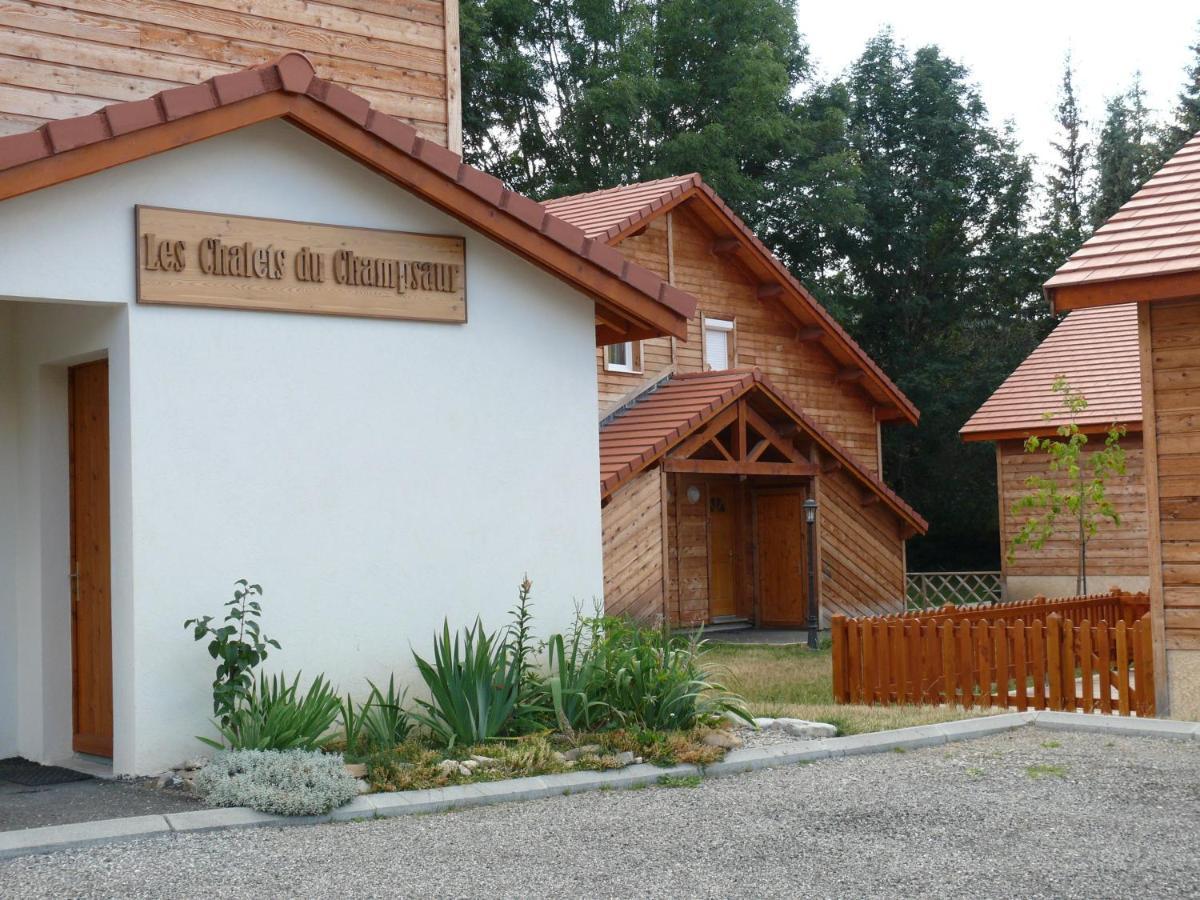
x: 841, y: 693
x: 1054, y: 660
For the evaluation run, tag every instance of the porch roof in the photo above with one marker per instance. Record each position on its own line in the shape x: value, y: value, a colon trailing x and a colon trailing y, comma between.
x: 637, y: 437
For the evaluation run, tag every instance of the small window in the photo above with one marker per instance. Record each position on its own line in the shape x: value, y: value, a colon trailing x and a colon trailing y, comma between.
x: 623, y: 357
x: 718, y: 344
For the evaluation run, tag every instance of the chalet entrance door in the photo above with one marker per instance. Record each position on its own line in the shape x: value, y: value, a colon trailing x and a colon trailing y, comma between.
x: 779, y: 533
x: 722, y: 501
x: 91, y: 607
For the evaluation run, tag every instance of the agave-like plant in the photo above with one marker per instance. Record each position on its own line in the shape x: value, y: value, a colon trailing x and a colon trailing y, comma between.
x: 473, y: 685
x: 277, y: 716
x: 384, y: 720
x: 657, y: 680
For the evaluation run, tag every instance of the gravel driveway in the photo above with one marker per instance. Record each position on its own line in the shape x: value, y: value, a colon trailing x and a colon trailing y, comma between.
x: 1031, y: 813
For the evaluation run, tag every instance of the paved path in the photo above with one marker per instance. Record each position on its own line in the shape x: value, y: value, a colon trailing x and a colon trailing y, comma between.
x: 83, y: 801
x: 1030, y: 813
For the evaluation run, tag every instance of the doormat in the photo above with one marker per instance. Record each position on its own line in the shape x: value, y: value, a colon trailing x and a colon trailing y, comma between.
x: 17, y: 770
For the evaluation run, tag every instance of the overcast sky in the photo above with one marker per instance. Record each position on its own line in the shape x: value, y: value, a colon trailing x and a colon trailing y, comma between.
x: 1015, y: 49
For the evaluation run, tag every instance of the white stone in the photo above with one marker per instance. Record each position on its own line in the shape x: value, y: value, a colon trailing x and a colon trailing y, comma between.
x: 625, y: 758
x: 802, y: 728
x: 764, y: 723
x: 485, y: 761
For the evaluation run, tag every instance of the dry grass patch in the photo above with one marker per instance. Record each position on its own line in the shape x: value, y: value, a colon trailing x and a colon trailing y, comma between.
x: 796, y: 682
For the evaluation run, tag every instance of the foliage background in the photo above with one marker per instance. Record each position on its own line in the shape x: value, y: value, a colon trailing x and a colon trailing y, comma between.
x: 887, y: 190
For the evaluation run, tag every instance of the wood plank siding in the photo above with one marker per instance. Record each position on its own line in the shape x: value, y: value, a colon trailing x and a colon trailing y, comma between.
x: 861, y: 558
x: 1172, y: 333
x: 65, y: 58
x: 679, y: 247
x: 1115, y: 549
x: 633, y: 549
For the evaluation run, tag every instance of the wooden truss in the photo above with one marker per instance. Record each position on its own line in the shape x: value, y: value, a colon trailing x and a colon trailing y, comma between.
x: 739, y: 441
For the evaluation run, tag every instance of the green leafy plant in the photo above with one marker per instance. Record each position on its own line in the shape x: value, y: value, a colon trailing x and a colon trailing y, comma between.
x: 531, y: 709
x: 385, y: 723
x: 1078, y: 491
x: 473, y: 685
x: 275, y: 715
x: 239, y: 647
x: 574, y: 676
x: 657, y: 680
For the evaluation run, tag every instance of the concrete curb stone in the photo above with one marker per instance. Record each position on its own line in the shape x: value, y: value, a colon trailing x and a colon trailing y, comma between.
x: 79, y: 834
x: 399, y: 803
x: 1066, y: 721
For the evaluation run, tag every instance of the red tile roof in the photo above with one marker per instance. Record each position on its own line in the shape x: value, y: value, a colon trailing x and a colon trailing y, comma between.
x: 1097, y: 350
x: 51, y: 154
x: 635, y: 438
x: 1156, y: 232
x: 611, y: 212
x: 615, y: 213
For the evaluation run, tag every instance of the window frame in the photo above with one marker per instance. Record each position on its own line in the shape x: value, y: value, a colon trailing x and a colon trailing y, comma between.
x: 715, y: 323
x: 633, y: 355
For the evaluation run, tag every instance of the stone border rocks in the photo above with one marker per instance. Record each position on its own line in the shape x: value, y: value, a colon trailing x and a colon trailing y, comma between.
x: 401, y: 803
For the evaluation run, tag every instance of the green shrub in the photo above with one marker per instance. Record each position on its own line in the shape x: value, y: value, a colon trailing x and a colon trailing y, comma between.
x: 238, y: 646
x: 275, y: 715
x: 473, y: 684
x: 531, y: 710
x: 291, y: 783
x: 653, y: 679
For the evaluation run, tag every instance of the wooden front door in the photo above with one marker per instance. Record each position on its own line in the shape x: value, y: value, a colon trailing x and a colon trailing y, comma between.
x: 91, y: 606
x: 779, y: 527
x: 722, y: 518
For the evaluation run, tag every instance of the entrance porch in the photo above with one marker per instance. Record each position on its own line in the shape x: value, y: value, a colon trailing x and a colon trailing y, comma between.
x: 705, y: 482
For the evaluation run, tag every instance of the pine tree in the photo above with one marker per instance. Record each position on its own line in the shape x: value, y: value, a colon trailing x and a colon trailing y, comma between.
x: 1066, y: 186
x: 1187, y: 110
x: 1126, y: 156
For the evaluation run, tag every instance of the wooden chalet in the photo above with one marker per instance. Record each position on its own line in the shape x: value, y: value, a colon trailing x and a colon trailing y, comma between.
x: 1148, y: 253
x: 710, y: 446
x: 1097, y: 351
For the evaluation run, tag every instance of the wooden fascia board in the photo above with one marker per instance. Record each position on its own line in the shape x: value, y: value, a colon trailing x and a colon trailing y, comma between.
x: 1169, y: 286
x: 619, y: 299
x: 1020, y: 434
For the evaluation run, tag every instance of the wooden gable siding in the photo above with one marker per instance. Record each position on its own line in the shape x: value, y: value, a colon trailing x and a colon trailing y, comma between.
x: 64, y: 58
x: 1171, y: 339
x: 861, y: 554
x: 632, y: 525
x: 678, y: 247
x: 1114, y: 550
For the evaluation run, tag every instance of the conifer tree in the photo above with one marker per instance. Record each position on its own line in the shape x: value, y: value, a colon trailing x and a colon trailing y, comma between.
x: 1126, y: 156
x: 1187, y: 110
x: 1066, y: 185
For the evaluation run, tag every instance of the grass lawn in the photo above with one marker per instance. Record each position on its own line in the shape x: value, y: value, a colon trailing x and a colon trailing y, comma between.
x: 797, y: 682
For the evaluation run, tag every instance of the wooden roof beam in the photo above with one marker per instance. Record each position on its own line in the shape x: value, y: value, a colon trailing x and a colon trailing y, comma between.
x: 849, y: 374
x: 770, y: 290
x: 831, y: 465
x: 810, y: 334
x: 741, y: 467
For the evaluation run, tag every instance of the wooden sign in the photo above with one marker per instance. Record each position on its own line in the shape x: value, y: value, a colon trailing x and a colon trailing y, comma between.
x: 237, y: 262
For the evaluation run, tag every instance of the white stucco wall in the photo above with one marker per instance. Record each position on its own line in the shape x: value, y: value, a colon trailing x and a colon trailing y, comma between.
x: 8, y: 533
x: 374, y: 476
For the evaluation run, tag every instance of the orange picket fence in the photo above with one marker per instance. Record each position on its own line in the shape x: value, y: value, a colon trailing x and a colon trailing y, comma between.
x: 1080, y: 653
